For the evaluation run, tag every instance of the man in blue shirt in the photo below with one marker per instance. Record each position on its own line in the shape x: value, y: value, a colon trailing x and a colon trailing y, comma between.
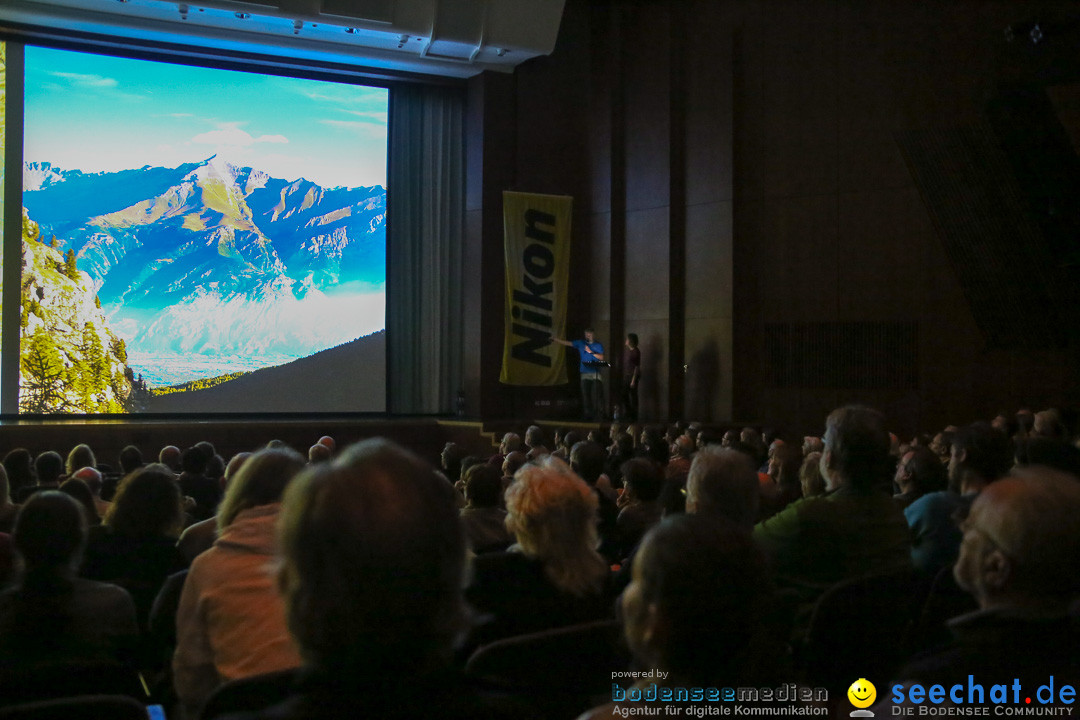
x: 591, y: 353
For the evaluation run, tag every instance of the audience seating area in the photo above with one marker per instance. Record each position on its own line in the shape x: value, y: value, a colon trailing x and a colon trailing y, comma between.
x: 700, y: 554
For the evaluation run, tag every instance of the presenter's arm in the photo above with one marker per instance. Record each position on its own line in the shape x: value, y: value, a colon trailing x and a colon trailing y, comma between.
x: 561, y: 341
x: 597, y: 356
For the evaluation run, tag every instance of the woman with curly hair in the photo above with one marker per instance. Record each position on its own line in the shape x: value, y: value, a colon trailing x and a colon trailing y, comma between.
x: 553, y: 575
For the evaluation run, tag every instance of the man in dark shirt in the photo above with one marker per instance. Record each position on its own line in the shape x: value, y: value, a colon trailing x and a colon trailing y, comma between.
x: 631, y: 365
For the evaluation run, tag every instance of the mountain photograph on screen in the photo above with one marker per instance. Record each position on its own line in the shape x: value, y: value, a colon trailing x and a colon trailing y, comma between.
x: 200, y: 240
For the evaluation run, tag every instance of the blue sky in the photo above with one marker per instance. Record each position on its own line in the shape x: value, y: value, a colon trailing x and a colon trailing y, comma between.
x: 98, y: 113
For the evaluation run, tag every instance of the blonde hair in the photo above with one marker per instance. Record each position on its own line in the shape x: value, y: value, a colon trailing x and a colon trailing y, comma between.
x: 553, y: 513
x: 261, y: 480
x: 80, y: 456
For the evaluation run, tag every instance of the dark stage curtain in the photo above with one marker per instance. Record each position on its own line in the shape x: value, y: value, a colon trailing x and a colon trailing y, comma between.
x: 426, y: 206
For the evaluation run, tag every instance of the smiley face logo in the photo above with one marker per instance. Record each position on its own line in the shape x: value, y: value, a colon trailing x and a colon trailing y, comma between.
x: 862, y: 693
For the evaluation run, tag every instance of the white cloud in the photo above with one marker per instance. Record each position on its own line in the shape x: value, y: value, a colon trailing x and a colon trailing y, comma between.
x: 91, y: 81
x: 231, y: 135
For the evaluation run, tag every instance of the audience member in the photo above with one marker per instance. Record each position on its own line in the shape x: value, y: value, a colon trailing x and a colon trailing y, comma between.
x: 95, y: 482
x: 200, y: 536
x: 136, y: 546
x: 450, y: 458
x: 534, y: 440
x: 918, y: 472
x: 80, y: 456
x: 695, y: 611
x: 810, y: 479
x: 215, y: 470
x: 207, y: 448
x: 979, y: 455
x: 752, y: 438
x: 8, y: 509
x: 511, y: 442
x: 130, y: 460
x: 1049, y: 452
x: 682, y: 451
x: 196, y: 484
x: 1047, y: 424
x: 571, y: 439
x: 374, y: 565
x: 853, y: 530
x: 482, y: 517
x: 652, y: 446
x: 723, y: 484
x: 562, y: 450
x: 466, y: 462
x: 48, y: 467
x: 784, y: 487
x: 231, y: 622
x: 19, y: 464
x: 640, y: 503
x: 51, y: 616
x: 1005, y: 424
x: 553, y: 575
x: 621, y: 451
x: 707, y: 437
x: 587, y: 460
x: 1020, y: 560
x: 511, y: 465
x: 170, y: 457
x: 318, y: 453
x: 77, y: 489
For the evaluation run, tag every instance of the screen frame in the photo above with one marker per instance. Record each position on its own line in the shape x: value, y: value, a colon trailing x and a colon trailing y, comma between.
x: 17, y: 37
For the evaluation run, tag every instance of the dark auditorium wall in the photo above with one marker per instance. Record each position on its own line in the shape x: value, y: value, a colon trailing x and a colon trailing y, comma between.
x: 737, y: 181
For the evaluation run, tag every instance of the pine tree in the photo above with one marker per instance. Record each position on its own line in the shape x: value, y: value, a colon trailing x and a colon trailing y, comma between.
x: 71, y: 268
x: 31, y: 231
x: 43, y: 375
x: 91, y: 373
x: 118, y: 349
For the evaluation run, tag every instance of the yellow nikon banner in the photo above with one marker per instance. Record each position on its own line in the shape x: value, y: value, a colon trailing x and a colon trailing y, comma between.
x: 537, y: 243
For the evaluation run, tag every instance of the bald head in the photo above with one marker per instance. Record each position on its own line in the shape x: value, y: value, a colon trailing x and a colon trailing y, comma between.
x: 513, y: 462
x: 511, y: 442
x: 90, y: 476
x: 723, y: 482
x: 1021, y: 547
x: 235, y: 464
x: 318, y: 453
x: 170, y: 457
x: 684, y: 446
